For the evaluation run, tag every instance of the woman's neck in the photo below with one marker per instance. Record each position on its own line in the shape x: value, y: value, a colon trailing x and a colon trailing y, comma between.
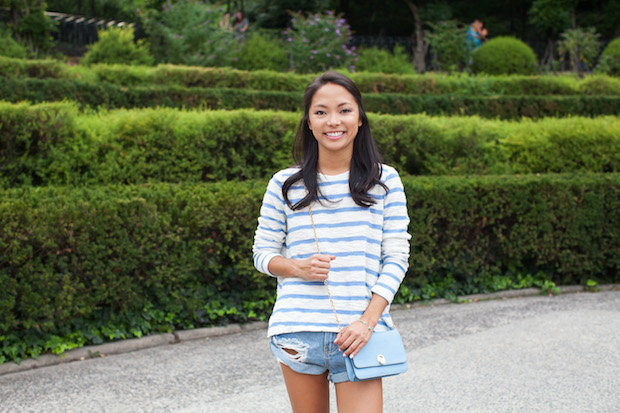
x: 329, y: 164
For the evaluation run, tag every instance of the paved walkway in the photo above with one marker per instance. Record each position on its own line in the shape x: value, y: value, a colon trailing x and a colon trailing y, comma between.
x: 529, y: 354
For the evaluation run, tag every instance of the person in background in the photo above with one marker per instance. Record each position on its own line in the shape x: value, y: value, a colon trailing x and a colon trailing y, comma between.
x: 476, y: 35
x: 225, y: 22
x: 240, y: 22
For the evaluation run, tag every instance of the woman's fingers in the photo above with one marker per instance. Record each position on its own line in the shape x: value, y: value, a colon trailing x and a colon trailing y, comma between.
x: 352, y: 339
x: 318, y: 266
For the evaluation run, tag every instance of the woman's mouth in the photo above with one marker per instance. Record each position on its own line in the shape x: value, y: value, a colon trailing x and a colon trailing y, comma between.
x: 334, y: 135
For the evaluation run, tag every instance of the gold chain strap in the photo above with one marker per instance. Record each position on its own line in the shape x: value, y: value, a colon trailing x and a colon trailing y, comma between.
x: 316, y: 240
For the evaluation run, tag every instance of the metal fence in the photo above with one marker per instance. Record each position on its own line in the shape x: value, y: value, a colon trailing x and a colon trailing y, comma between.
x: 74, y: 33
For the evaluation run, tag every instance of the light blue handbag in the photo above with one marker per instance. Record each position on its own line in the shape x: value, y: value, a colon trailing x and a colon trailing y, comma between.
x: 384, y: 355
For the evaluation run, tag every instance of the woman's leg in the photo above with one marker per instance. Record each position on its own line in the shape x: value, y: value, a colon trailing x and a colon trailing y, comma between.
x: 308, y: 393
x: 360, y: 396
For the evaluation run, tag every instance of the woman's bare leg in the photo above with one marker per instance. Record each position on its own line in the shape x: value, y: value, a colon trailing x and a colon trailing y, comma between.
x: 308, y: 393
x: 360, y: 396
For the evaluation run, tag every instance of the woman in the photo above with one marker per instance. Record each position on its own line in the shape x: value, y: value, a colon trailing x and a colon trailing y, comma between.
x: 341, y: 192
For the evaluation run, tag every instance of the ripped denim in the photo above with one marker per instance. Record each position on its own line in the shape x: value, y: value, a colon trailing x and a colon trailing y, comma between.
x: 310, y: 353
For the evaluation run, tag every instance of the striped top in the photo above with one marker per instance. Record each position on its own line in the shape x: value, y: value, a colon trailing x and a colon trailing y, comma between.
x: 371, y: 246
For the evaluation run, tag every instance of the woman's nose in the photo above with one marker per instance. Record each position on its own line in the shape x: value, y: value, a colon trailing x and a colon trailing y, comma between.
x: 333, y: 120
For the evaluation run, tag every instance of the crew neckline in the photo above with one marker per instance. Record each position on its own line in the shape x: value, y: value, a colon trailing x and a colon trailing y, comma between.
x: 340, y: 175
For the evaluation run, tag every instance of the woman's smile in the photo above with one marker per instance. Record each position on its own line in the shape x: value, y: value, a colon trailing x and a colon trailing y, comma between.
x: 335, y: 135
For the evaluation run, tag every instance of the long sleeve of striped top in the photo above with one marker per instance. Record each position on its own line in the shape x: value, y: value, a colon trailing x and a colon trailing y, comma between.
x: 371, y: 246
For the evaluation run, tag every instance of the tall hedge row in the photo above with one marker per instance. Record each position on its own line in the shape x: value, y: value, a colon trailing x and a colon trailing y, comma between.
x: 55, y: 144
x: 199, y: 77
x: 98, y: 254
x: 108, y: 95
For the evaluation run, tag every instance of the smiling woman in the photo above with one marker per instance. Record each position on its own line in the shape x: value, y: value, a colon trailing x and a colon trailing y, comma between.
x: 334, y: 121
x: 337, y: 218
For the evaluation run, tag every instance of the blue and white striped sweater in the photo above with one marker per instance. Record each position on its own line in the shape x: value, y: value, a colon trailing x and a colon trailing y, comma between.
x: 371, y: 246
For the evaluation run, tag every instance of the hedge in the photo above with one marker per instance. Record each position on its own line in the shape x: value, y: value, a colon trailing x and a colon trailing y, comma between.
x: 200, y: 77
x: 114, y: 96
x: 83, y: 265
x: 55, y: 144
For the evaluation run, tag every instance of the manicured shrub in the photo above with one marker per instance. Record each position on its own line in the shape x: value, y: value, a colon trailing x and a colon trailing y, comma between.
x: 375, y: 60
x: 116, y: 45
x: 205, y: 77
x: 113, y: 96
x: 259, y: 52
x: 102, y: 263
x: 29, y: 138
x: 504, y: 55
x: 51, y: 144
x: 609, y: 62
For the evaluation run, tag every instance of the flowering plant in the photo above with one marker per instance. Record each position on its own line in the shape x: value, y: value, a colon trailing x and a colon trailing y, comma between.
x: 319, y: 42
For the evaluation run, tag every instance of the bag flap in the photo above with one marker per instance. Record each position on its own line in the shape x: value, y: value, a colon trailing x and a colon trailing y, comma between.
x: 384, y: 349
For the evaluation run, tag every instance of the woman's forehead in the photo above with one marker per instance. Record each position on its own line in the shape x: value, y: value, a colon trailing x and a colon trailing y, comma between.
x: 331, y: 94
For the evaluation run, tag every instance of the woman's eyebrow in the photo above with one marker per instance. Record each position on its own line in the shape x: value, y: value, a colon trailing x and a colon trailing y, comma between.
x: 319, y: 105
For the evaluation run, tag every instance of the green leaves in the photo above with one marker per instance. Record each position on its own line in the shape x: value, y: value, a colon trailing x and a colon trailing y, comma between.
x: 51, y: 144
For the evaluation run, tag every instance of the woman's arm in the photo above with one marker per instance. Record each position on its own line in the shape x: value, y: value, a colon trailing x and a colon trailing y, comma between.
x: 355, y: 336
x: 314, y: 268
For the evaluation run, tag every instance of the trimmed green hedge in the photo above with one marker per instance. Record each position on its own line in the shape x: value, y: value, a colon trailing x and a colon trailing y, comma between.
x: 53, y: 144
x: 436, y: 84
x: 113, y: 96
x: 83, y: 265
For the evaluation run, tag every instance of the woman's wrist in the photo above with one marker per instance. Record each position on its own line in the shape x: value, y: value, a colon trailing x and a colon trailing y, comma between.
x: 366, y: 324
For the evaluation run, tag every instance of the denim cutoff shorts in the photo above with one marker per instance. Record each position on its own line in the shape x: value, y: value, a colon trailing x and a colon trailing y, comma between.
x: 316, y: 354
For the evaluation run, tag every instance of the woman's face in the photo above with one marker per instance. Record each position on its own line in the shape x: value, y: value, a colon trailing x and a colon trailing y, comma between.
x: 334, y: 119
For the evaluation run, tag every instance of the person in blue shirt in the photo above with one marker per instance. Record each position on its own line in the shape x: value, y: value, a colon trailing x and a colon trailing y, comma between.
x: 476, y: 35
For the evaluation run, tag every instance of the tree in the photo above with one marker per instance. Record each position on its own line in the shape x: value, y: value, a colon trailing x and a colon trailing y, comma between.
x: 551, y: 17
x: 421, y: 47
x: 31, y: 26
x: 581, y: 46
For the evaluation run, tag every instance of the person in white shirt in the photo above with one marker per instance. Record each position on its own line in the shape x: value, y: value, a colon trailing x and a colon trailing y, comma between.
x: 342, y: 199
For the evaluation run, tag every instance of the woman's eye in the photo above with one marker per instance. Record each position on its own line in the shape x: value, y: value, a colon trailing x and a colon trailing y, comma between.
x: 319, y: 112
x: 346, y: 110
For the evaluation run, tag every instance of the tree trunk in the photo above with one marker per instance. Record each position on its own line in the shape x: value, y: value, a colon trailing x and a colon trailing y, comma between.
x: 418, y: 36
x: 548, y: 56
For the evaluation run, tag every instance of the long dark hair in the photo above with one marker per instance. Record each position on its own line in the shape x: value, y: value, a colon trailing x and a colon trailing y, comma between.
x: 365, y: 170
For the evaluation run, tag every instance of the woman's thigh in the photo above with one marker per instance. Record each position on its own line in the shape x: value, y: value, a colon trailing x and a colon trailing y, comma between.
x: 360, y: 396
x: 308, y: 393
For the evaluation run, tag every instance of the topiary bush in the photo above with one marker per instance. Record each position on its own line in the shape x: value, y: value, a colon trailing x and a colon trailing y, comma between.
x: 260, y: 52
x: 375, y: 60
x: 609, y: 62
x: 117, y: 45
x: 504, y: 55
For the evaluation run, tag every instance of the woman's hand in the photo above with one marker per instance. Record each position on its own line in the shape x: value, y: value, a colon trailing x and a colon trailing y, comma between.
x: 354, y: 337
x: 315, y: 268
